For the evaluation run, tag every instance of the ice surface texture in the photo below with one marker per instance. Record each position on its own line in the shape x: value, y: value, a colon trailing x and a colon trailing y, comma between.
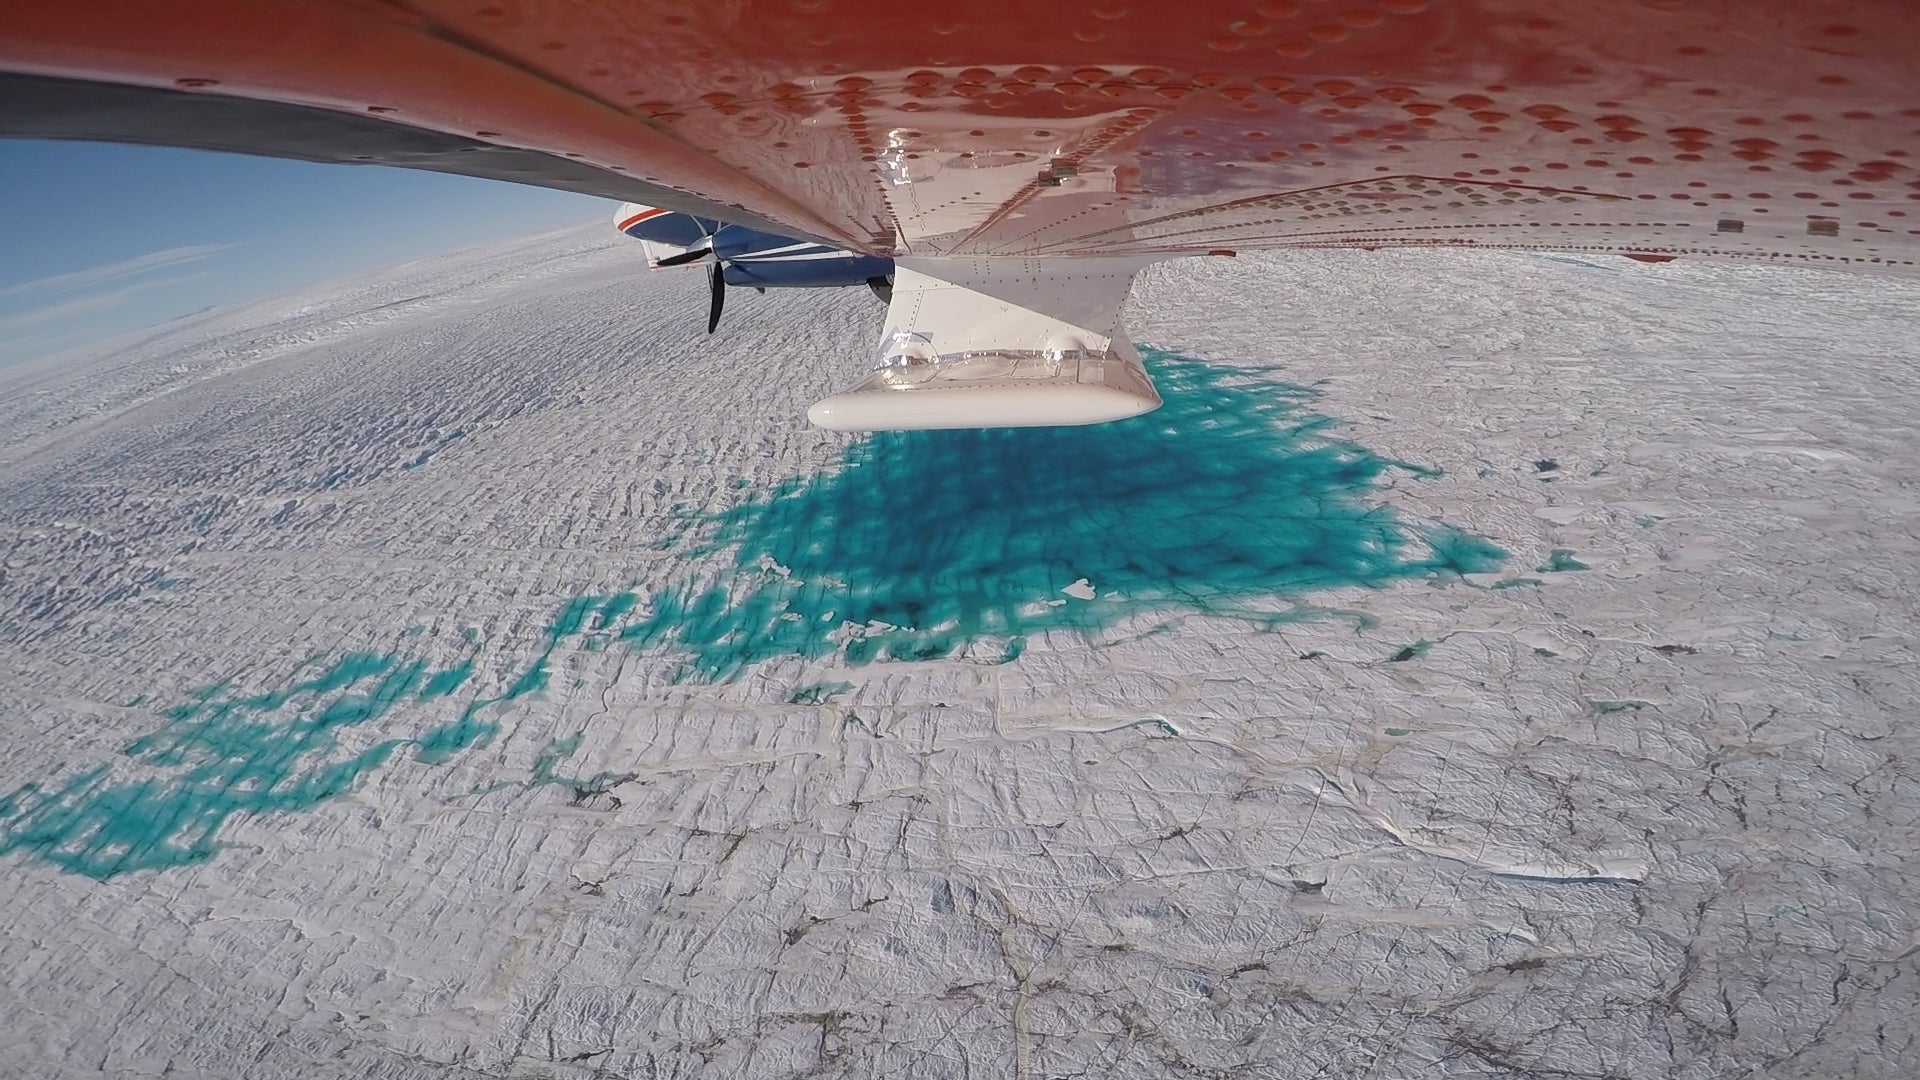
x: 1229, y: 501
x: 914, y: 547
x: 479, y: 569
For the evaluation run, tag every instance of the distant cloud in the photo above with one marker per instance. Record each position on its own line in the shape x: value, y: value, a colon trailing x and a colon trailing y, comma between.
x: 95, y: 302
x: 96, y: 276
x: 37, y: 345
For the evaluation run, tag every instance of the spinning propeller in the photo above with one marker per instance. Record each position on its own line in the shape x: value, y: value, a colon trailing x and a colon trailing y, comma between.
x: 716, y: 278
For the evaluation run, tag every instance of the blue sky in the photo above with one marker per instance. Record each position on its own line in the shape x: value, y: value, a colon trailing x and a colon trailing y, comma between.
x: 101, y: 240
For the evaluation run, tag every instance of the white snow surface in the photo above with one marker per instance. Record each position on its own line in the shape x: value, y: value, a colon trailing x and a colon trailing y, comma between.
x: 1653, y: 818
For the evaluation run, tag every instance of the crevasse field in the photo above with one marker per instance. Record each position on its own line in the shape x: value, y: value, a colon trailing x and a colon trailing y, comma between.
x: 1486, y: 665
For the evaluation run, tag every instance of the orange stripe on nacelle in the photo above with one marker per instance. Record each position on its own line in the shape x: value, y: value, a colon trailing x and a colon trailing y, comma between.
x: 640, y: 217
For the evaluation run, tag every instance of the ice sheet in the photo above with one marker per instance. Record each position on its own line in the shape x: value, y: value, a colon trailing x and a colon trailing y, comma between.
x: 1492, y: 666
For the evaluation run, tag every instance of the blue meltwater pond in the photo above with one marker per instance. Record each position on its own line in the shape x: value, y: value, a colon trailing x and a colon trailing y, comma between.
x: 1231, y: 501
x: 1229, y: 498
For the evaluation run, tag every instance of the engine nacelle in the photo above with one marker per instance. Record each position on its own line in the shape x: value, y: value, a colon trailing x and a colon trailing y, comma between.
x: 662, y: 233
x: 747, y: 257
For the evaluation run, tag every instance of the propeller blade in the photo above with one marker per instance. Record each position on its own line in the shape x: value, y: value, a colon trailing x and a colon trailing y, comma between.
x: 717, y: 284
x: 685, y: 257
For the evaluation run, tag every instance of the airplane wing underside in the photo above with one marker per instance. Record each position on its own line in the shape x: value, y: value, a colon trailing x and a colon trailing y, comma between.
x: 1781, y: 130
x: 1007, y: 153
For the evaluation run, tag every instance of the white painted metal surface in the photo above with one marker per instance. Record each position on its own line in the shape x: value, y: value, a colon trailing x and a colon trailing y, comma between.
x: 978, y: 343
x: 982, y: 390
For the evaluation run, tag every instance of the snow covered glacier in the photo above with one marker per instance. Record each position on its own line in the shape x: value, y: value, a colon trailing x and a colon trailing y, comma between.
x: 1486, y: 665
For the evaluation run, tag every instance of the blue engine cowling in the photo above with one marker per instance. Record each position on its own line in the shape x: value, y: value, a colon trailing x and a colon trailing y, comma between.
x: 748, y: 257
